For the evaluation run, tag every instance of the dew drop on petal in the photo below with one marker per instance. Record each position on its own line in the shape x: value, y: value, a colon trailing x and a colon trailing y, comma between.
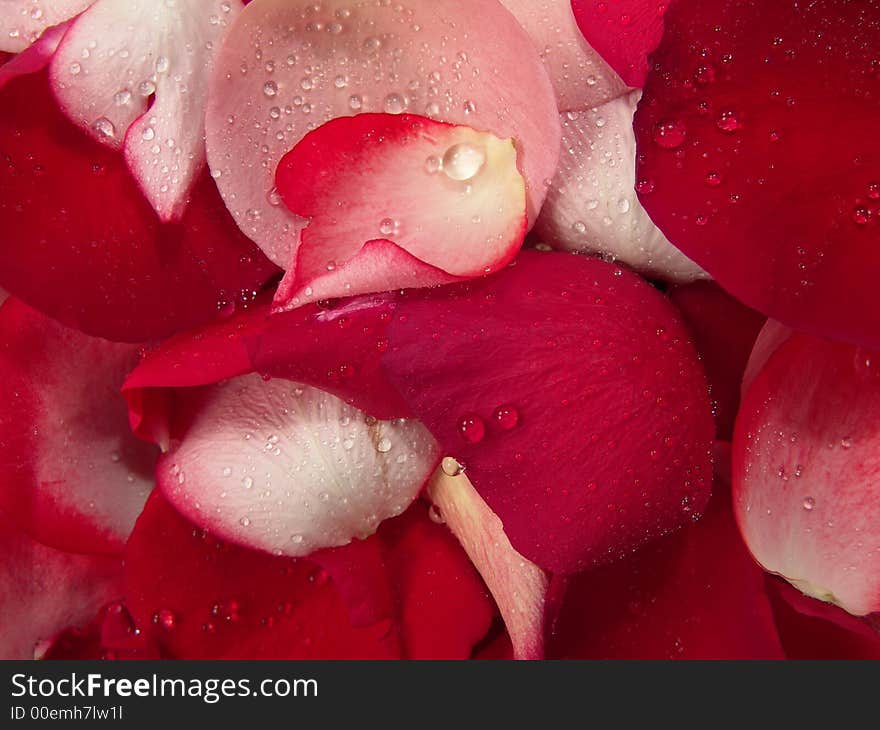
x: 463, y: 161
x: 472, y: 428
x: 809, y: 503
x: 506, y: 416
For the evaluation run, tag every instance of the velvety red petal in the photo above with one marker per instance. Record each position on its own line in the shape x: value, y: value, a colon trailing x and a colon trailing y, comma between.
x: 202, y: 598
x: 570, y: 391
x: 74, y: 476
x: 409, y: 180
x: 724, y: 332
x: 289, y: 66
x: 805, y: 465
x: 694, y: 595
x: 43, y: 590
x: 580, y: 77
x: 81, y: 243
x: 624, y: 32
x: 759, y: 158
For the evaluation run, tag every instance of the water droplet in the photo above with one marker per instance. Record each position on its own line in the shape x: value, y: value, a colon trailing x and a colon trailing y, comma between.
x: 728, y: 122
x: 165, y: 619
x: 809, y: 503
x: 713, y: 179
x: 472, y: 428
x: 669, y: 134
x: 247, y: 482
x: 433, y: 165
x: 355, y: 102
x: 645, y: 186
x: 162, y: 64
x: 148, y: 134
x: 146, y: 88
x: 394, y: 104
x: 121, y: 98
x: 506, y: 416
x: 463, y: 161
x: 387, y: 226
x: 579, y: 227
x: 384, y: 445
x: 451, y: 467
x: 244, y: 521
x: 270, y: 88
x: 296, y: 539
x: 104, y: 127
x: 226, y: 471
x: 861, y: 216
x: 75, y: 68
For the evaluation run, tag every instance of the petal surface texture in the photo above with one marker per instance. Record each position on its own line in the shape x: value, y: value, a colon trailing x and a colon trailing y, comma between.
x: 759, y: 157
x: 291, y: 469
x: 134, y: 75
x: 286, y: 68
x: 805, y: 465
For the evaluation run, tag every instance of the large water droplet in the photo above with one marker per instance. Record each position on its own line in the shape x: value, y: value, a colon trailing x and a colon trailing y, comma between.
x: 472, y: 428
x: 669, y: 134
x: 463, y: 161
x: 506, y: 416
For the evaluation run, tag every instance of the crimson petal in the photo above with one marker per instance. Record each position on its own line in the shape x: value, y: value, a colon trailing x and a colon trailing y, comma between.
x: 759, y: 158
x: 570, y: 390
x: 83, y: 245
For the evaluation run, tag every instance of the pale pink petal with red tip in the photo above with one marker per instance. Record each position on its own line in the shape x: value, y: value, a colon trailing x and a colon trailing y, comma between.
x: 43, y: 591
x: 291, y: 469
x: 518, y: 585
x: 134, y: 74
x: 579, y: 75
x: 447, y: 195
x: 22, y: 22
x: 74, y: 475
x: 806, y: 459
x: 592, y: 204
x: 286, y: 68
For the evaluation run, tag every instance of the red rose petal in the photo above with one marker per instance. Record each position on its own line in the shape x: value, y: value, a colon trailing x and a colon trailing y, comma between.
x: 805, y: 464
x: 201, y: 598
x: 569, y: 389
x: 624, y: 32
x: 43, y: 590
x: 758, y: 148
x: 288, y: 67
x: 724, y: 332
x: 694, y: 595
x: 472, y: 199
x: 92, y: 253
x: 811, y: 629
x: 24, y: 21
x: 74, y: 476
x: 580, y: 77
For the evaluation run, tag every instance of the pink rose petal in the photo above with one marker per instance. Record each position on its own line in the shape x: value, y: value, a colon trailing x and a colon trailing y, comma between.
x: 22, y: 22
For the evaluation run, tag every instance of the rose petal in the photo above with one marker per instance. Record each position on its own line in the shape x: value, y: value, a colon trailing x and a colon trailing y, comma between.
x: 693, y: 595
x: 92, y: 253
x: 758, y: 146
x: 624, y: 32
x: 592, y: 204
x: 569, y: 389
x: 421, y: 59
x: 129, y: 74
x: 805, y: 462
x: 74, y: 476
x: 43, y: 590
x: 772, y: 335
x: 811, y: 629
x: 519, y: 586
x: 724, y: 332
x: 409, y: 180
x: 580, y: 77
x: 202, y: 598
x: 35, y: 57
x: 291, y: 469
x: 22, y: 22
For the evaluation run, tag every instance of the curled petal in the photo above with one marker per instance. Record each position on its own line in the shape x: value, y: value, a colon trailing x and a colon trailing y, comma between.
x: 411, y: 181
x: 592, y: 204
x: 693, y: 595
x: 519, y: 586
x: 624, y: 32
x: 772, y: 335
x: 733, y: 141
x: 570, y: 390
x: 22, y: 22
x: 134, y: 75
x: 74, y: 476
x: 44, y: 590
x: 92, y: 253
x: 35, y: 57
x: 580, y: 77
x: 805, y: 464
x: 288, y: 67
x: 291, y: 469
